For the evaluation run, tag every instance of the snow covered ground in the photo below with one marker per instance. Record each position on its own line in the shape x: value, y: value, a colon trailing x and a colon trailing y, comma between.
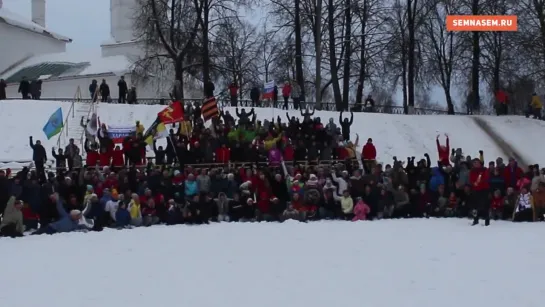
x: 394, y: 135
x: 390, y: 263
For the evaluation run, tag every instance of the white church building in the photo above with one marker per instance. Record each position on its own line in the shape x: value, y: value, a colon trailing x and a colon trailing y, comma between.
x: 37, y: 53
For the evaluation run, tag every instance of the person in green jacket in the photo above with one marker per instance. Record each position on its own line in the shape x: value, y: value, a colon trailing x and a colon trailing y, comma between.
x: 12, y: 223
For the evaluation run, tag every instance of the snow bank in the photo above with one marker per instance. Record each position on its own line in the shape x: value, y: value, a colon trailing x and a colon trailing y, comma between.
x: 21, y: 119
x: 522, y: 133
x: 394, y: 135
x: 388, y: 263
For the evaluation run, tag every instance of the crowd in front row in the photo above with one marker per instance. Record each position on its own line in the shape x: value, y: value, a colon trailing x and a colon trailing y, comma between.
x: 248, y: 170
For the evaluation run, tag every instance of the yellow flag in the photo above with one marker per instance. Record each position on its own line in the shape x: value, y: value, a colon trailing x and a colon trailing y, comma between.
x: 160, y: 132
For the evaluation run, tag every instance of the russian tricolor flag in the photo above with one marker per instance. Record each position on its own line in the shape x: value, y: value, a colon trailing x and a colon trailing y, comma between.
x: 268, y: 91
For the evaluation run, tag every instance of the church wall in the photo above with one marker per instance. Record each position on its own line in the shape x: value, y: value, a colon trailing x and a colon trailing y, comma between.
x: 130, y: 49
x: 19, y: 43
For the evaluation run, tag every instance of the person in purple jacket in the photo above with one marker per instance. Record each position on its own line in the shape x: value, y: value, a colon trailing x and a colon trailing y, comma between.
x: 275, y: 156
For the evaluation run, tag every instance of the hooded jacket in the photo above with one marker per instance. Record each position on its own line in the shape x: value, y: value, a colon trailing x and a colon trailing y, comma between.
x: 361, y: 210
x: 12, y: 216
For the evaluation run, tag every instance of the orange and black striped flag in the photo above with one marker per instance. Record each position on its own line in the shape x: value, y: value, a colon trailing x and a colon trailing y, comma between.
x: 210, y: 108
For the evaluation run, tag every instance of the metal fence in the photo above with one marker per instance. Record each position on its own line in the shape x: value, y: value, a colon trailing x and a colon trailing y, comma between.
x: 245, y: 103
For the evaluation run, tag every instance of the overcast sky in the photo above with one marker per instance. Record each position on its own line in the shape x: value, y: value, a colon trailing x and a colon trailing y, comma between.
x: 87, y: 22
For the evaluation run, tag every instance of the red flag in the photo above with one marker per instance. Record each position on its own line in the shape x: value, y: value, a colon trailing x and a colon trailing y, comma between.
x: 210, y: 108
x: 172, y: 114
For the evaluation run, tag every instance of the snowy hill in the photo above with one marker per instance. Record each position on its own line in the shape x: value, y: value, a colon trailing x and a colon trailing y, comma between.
x: 393, y: 135
x: 522, y: 133
x: 389, y: 263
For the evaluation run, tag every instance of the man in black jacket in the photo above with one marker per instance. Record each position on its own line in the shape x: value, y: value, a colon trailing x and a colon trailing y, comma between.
x: 39, y: 156
x: 209, y: 89
x: 3, y: 86
x: 24, y: 88
x: 93, y: 90
x: 104, y: 90
x: 36, y: 89
x: 123, y: 89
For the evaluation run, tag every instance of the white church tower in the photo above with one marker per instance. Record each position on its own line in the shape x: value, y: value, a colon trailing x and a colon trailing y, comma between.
x: 38, y: 12
x: 122, y: 38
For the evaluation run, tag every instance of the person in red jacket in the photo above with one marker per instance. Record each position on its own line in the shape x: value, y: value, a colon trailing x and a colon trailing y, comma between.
x: 502, y: 99
x: 512, y: 173
x: 369, y: 156
x: 233, y: 92
x: 117, y: 158
x: 105, y: 157
x: 289, y: 152
x: 223, y: 154
x: 496, y: 204
x: 92, y: 158
x: 126, y: 146
x: 479, y: 181
x: 286, y: 92
x: 443, y: 151
x: 143, y: 159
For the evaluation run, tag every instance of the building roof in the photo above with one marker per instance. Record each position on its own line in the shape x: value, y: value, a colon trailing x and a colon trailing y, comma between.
x: 112, y: 42
x: 68, y: 64
x: 16, y: 20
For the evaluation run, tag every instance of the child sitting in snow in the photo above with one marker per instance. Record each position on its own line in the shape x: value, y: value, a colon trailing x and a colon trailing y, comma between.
x: 122, y: 216
x: 361, y: 210
x: 290, y: 213
x: 450, y: 211
x: 347, y: 205
x: 496, y: 206
x: 524, y: 206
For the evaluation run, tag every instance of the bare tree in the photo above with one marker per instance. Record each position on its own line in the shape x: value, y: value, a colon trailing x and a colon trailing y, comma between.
x: 168, y: 32
x: 498, y: 53
x: 214, y: 13
x: 442, y: 49
x: 395, y: 59
x: 404, y: 54
x: 269, y: 50
x: 531, y: 36
x: 334, y: 72
x: 237, y: 53
x: 371, y: 41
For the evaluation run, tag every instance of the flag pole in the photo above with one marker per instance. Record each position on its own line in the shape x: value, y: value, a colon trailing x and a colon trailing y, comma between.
x: 174, y: 148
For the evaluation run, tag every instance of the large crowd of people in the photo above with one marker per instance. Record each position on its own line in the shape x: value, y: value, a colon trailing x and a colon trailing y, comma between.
x: 240, y: 169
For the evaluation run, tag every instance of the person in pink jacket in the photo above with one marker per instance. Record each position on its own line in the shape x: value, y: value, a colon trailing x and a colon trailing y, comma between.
x: 361, y: 210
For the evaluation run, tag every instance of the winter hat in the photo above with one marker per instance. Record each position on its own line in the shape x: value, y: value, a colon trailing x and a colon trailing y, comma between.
x: 176, y: 173
x: 75, y: 212
x: 312, y: 176
x: 89, y: 187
